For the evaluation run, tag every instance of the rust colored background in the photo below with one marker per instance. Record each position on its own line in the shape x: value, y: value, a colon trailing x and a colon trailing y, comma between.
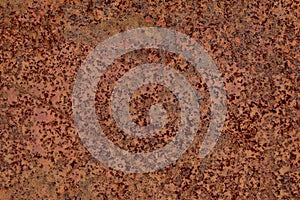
x: 255, y: 45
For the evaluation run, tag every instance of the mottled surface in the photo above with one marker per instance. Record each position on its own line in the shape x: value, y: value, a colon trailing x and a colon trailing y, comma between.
x: 255, y: 45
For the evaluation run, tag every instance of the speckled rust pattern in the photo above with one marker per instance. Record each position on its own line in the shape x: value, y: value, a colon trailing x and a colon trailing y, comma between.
x: 255, y: 45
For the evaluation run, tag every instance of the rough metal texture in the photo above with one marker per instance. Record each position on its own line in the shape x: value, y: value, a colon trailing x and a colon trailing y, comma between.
x: 255, y: 45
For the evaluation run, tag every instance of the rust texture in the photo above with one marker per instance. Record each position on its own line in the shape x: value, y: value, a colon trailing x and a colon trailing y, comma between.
x: 255, y: 45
